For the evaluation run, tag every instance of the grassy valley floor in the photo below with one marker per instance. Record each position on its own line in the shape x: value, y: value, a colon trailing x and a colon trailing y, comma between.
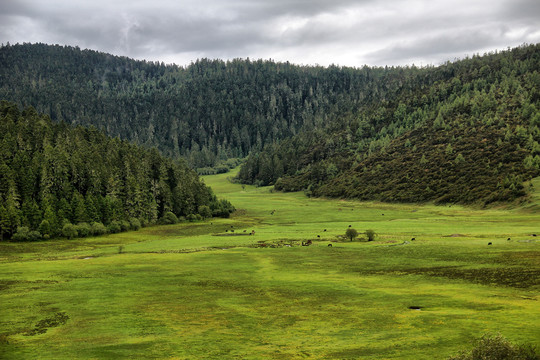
x: 202, y: 291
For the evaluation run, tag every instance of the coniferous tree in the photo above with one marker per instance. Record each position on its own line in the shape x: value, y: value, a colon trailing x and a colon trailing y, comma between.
x: 86, y: 180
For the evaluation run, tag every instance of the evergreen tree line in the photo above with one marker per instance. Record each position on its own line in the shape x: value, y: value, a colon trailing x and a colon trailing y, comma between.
x: 468, y: 132
x: 207, y: 112
x: 56, y: 180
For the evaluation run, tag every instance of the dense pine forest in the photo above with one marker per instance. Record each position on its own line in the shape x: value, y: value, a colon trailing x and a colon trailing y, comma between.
x: 465, y: 131
x: 208, y: 112
x: 56, y: 179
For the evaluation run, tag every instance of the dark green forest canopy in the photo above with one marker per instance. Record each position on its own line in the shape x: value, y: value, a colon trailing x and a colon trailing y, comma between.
x: 52, y: 174
x: 464, y: 132
x: 208, y: 112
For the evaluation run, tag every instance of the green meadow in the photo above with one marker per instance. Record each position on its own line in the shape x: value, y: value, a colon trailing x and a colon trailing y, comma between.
x: 209, y: 290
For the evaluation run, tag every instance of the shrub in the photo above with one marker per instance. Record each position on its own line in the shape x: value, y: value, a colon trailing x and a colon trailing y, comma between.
x: 34, y: 235
x: 45, y: 229
x: 125, y: 225
x: 98, y: 228
x: 83, y: 229
x: 25, y: 234
x: 21, y: 234
x: 169, y: 218
x: 114, y: 227
x: 69, y: 230
x: 496, y: 347
x: 370, y: 235
x: 135, y: 224
x: 222, y: 208
x: 191, y: 217
x: 205, y: 211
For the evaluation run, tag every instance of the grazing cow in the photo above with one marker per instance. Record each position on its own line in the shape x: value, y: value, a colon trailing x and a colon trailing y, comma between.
x: 489, y: 243
x: 508, y: 239
x: 329, y: 245
x: 244, y: 230
x: 534, y: 234
x: 307, y: 243
x: 412, y: 239
x: 382, y: 214
x: 350, y: 225
x: 226, y: 230
x: 324, y: 230
x: 318, y: 236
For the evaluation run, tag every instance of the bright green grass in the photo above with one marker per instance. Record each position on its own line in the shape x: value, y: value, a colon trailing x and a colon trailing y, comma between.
x: 179, y: 292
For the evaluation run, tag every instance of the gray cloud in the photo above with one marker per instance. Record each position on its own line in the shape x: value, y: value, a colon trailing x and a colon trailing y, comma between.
x: 345, y: 32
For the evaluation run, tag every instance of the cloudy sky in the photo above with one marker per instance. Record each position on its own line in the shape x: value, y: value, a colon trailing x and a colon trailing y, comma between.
x: 344, y: 32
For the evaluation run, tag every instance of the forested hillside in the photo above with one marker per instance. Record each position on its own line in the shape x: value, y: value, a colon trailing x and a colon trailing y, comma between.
x: 54, y: 176
x: 466, y: 131
x: 207, y: 112
x: 463, y: 132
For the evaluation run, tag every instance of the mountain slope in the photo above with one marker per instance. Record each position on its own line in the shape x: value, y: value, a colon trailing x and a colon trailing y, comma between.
x: 207, y: 112
x: 326, y: 130
x: 470, y: 134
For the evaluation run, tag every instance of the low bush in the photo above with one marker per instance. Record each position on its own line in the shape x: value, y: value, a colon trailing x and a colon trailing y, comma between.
x: 496, y: 347
x: 114, y: 227
x: 45, y: 229
x: 70, y: 231
x: 169, y: 218
x: 98, y: 228
x: 125, y: 225
x: 25, y: 234
x: 205, y: 211
x: 83, y: 229
x: 135, y: 224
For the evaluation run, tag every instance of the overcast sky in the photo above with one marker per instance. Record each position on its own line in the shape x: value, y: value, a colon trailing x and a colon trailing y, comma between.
x: 343, y: 32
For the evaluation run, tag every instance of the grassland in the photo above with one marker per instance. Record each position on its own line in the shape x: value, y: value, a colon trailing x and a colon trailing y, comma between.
x: 200, y: 291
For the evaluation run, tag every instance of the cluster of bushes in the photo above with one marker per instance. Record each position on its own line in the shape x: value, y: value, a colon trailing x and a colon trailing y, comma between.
x: 80, y: 230
x: 224, y: 208
x: 218, y: 208
x: 83, y: 229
